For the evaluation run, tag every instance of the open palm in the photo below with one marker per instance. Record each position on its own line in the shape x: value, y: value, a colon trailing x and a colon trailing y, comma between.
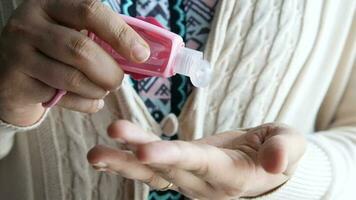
x: 228, y: 165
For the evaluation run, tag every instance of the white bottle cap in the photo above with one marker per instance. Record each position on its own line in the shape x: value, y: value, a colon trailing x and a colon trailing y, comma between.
x: 190, y: 62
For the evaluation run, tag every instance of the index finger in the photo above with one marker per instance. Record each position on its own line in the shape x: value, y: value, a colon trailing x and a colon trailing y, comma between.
x: 98, y: 18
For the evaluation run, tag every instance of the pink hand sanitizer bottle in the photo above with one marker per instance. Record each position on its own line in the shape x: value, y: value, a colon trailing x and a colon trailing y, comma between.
x: 168, y: 54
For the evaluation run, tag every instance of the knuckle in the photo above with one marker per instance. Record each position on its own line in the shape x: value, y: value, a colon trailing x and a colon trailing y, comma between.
x: 88, y: 9
x: 75, y: 79
x: 126, y: 157
x: 203, y: 170
x: 153, y: 180
x: 80, y: 47
x: 114, y: 83
x: 122, y: 33
x: 170, y: 173
x: 271, y: 129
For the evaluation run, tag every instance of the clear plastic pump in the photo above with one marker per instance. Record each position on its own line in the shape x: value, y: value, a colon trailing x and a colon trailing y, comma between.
x: 191, y: 63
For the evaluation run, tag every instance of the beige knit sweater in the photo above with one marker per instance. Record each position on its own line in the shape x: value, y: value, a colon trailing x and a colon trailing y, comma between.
x: 290, y: 61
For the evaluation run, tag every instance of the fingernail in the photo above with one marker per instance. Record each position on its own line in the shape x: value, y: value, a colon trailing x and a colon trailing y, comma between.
x: 100, y: 166
x: 140, y: 52
x: 101, y: 104
x: 103, y: 167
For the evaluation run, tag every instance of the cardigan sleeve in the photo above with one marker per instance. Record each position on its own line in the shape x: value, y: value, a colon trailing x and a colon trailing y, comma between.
x: 8, y: 131
x: 6, y: 138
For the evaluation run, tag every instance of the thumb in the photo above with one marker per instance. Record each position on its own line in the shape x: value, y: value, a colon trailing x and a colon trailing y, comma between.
x: 281, y: 150
x: 104, y: 22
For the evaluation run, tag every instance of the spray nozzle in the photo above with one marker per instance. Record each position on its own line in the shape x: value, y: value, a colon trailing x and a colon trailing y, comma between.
x: 190, y: 62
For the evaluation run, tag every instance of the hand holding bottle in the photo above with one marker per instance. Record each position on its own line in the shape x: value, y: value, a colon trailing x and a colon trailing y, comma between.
x: 41, y: 50
x: 168, y: 54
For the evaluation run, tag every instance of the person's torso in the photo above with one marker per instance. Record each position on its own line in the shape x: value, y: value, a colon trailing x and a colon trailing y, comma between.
x: 273, y: 61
